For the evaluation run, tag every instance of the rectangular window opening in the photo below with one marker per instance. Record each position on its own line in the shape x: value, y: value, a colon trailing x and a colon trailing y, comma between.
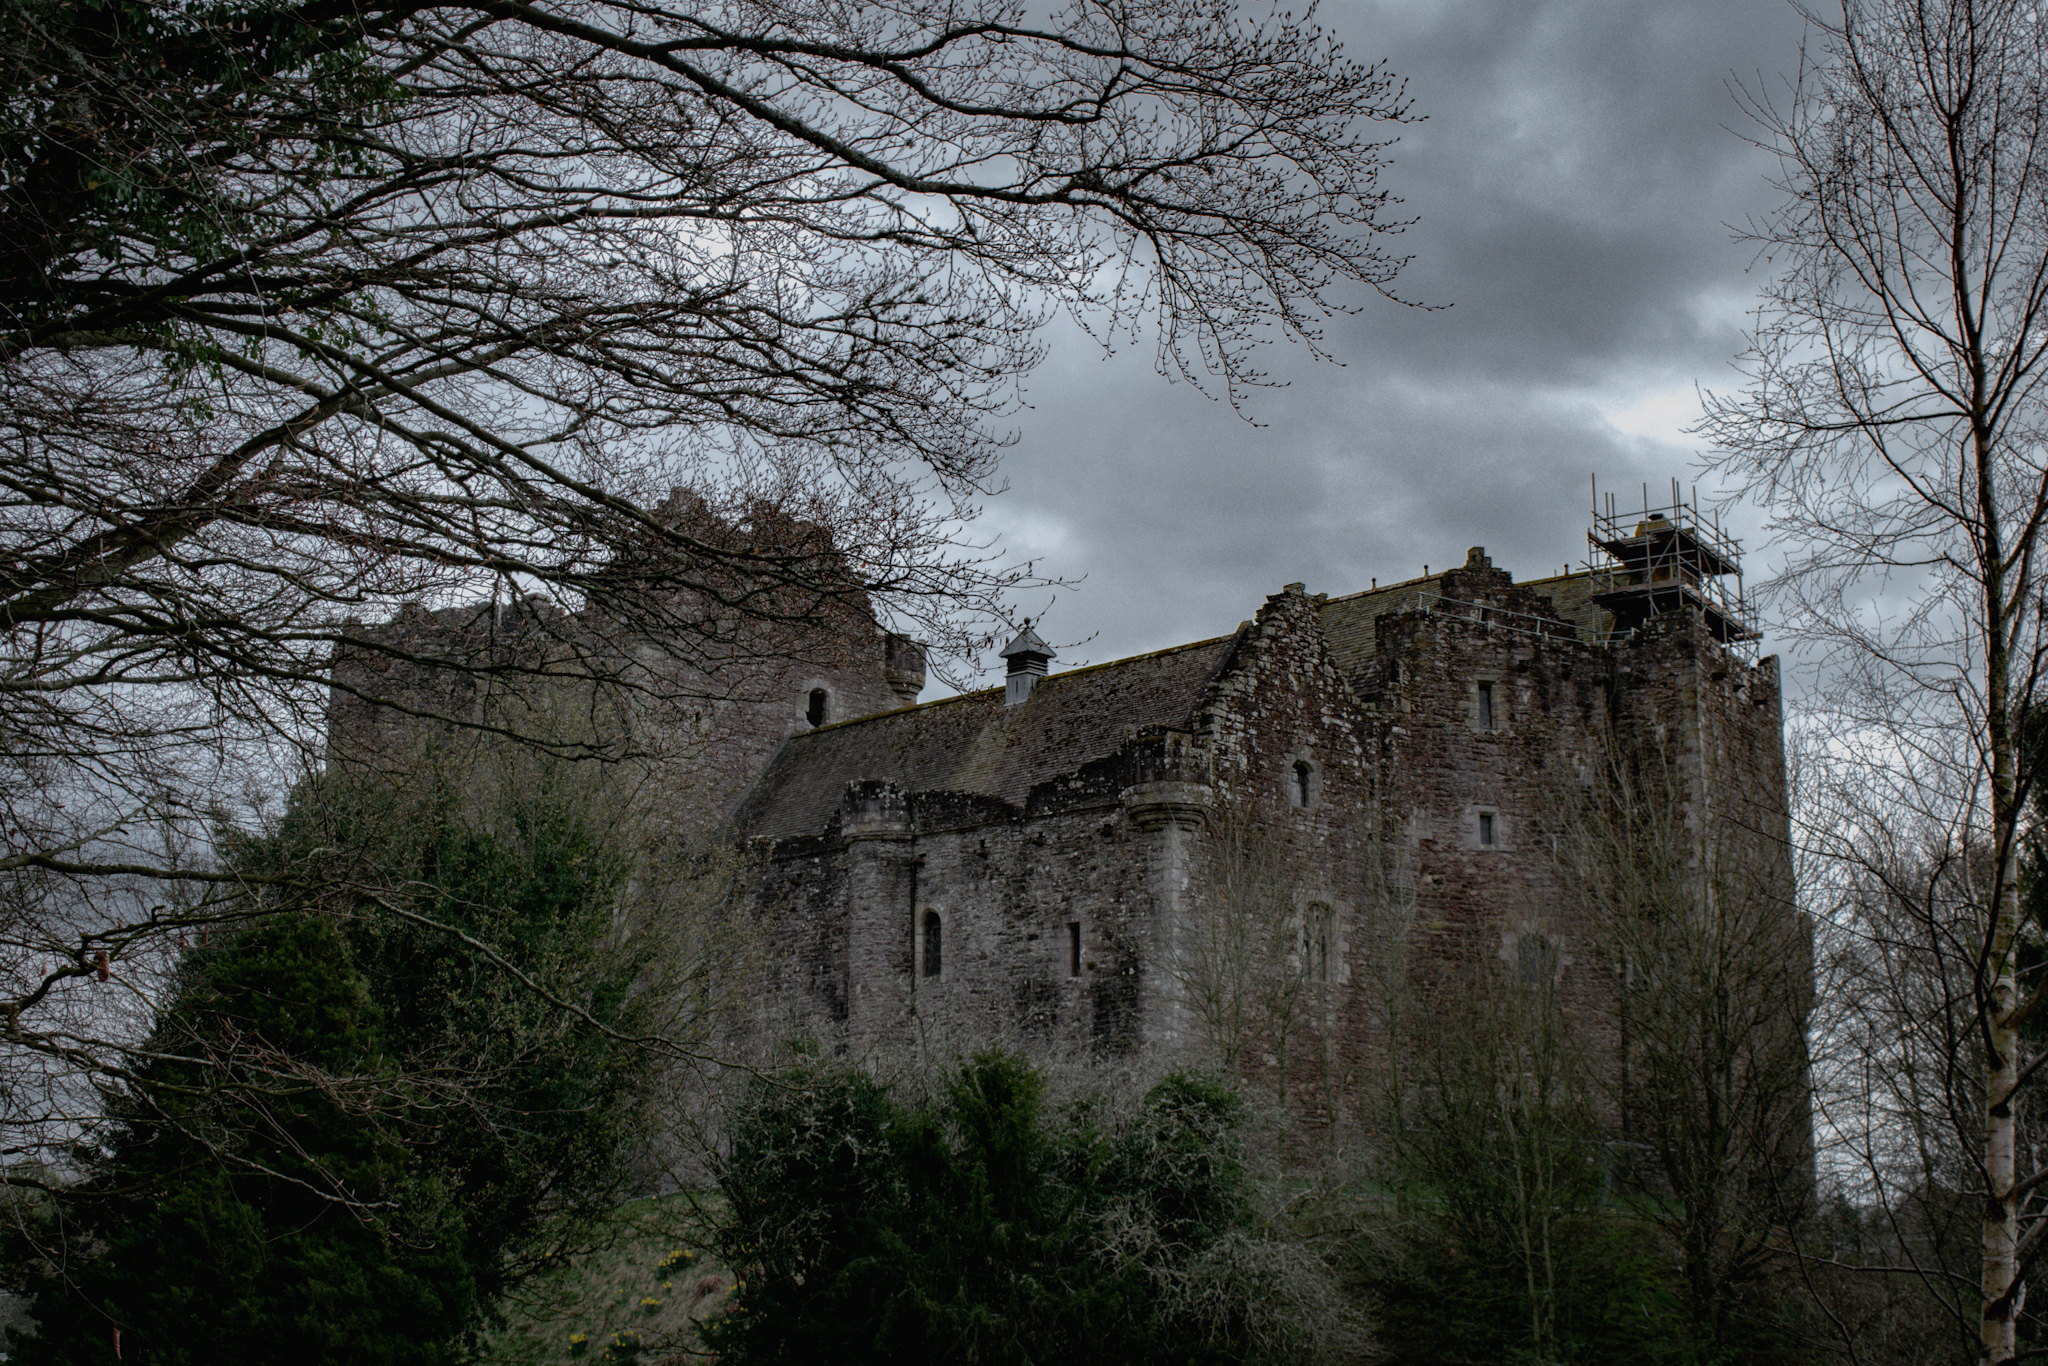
x: 1535, y: 960
x: 1486, y: 706
x: 1073, y: 948
x: 1486, y: 827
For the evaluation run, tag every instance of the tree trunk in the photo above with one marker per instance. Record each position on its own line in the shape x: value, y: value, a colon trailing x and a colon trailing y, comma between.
x: 2001, y: 1062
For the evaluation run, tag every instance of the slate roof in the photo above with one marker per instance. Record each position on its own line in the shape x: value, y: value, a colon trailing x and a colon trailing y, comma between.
x: 1348, y: 621
x: 975, y: 744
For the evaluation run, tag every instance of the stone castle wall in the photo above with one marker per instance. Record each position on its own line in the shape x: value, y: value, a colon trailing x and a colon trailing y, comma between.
x: 1403, y: 763
x: 1377, y: 784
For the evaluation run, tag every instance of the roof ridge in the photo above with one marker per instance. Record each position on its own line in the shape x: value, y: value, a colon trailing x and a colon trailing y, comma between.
x: 898, y: 711
x: 991, y: 691
x: 1135, y: 659
x: 1390, y: 588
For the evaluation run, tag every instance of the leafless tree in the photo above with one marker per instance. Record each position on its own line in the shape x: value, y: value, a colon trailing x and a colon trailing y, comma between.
x: 308, y: 309
x: 1901, y: 1067
x: 1496, y: 1118
x: 1702, y: 970
x: 1255, y: 963
x: 1891, y: 424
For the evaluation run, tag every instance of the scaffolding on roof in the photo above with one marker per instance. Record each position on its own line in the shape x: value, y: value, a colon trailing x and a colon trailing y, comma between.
x: 1653, y: 560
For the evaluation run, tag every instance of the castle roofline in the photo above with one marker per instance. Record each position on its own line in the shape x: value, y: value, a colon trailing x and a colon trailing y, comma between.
x: 975, y: 744
x: 987, y: 693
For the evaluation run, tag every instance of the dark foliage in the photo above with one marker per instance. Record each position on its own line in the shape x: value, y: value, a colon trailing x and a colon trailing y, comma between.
x: 1455, y: 1300
x: 198, y: 1237
x: 539, y: 1105
x: 359, y: 1128
x: 981, y: 1227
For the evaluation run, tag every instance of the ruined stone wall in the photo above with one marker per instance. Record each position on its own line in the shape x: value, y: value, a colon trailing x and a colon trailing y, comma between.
x: 1285, y: 715
x: 1688, y: 707
x: 696, y: 733
x: 1471, y: 781
x: 1131, y: 849
x: 1427, y: 829
x: 846, y: 911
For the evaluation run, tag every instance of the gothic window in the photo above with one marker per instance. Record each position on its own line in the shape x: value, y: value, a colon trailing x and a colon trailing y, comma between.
x: 1316, y: 932
x: 934, y: 944
x: 1303, y: 777
x: 815, y: 713
x: 1486, y: 706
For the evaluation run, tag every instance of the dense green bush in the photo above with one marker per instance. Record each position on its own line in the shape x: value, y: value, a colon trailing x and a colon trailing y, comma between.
x: 989, y: 1226
x: 356, y: 1123
x: 232, y: 1213
x: 544, y: 1107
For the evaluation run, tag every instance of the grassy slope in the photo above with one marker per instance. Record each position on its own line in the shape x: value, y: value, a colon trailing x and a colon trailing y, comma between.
x: 655, y: 1252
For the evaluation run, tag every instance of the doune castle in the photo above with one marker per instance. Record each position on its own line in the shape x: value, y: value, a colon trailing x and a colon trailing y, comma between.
x: 1266, y: 832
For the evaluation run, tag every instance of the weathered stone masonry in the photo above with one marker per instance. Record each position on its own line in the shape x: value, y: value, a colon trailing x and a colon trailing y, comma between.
x: 1409, y: 740
x: 1024, y: 863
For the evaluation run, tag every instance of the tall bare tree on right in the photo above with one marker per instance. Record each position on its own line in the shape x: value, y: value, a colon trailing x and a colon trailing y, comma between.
x: 1892, y: 426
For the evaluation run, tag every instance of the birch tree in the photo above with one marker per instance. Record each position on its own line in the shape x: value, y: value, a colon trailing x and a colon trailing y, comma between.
x: 1891, y: 423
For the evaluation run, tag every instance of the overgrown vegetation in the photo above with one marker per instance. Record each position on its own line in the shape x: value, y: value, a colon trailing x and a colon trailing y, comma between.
x: 987, y: 1223
x: 636, y: 1292
x: 361, y: 1121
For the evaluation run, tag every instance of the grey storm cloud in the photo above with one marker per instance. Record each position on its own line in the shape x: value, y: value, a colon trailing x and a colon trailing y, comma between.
x: 1573, y: 181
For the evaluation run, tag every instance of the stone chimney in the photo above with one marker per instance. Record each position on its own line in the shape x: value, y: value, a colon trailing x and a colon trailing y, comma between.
x: 1028, y: 656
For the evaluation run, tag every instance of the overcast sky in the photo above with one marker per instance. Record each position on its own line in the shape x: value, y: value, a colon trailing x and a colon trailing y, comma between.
x: 1573, y: 181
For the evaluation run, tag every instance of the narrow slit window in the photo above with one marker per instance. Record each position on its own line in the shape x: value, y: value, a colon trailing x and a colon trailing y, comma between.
x: 1073, y: 948
x: 1486, y: 827
x: 1486, y: 706
x: 815, y: 713
x: 1303, y: 776
x: 934, y: 944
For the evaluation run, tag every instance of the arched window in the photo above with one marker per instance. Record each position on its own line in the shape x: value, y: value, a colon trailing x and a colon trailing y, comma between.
x: 1317, y: 930
x: 815, y: 713
x: 934, y: 943
x: 1302, y: 792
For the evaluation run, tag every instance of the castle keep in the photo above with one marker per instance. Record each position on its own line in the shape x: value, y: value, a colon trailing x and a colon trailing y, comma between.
x: 1351, y: 793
